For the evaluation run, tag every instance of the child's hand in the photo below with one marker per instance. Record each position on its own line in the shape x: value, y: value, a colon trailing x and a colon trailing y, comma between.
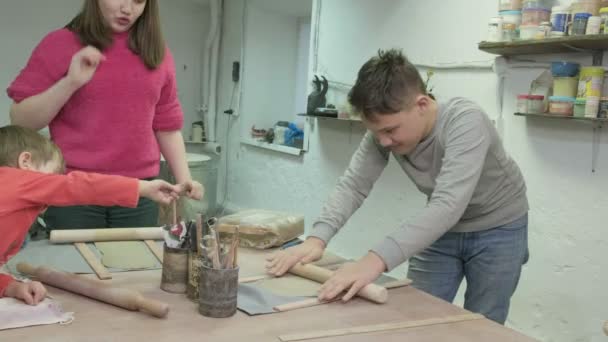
x: 159, y: 191
x: 308, y: 251
x: 31, y: 293
x: 193, y: 189
x: 352, y: 277
x: 83, y: 65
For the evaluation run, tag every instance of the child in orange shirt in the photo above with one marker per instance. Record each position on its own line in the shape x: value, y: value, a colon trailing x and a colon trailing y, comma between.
x: 31, y: 179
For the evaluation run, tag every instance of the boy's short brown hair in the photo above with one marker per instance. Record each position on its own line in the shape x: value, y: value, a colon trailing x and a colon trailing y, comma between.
x: 386, y: 84
x: 15, y: 140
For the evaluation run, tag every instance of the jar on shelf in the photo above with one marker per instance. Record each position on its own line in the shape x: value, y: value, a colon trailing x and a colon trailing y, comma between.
x: 509, y: 5
x: 579, y: 107
x: 522, y: 103
x: 509, y: 32
x: 593, y: 25
x: 495, y: 30
x: 535, y: 16
x: 579, y: 23
x: 561, y: 105
x: 603, y: 113
x: 604, y: 16
x: 560, y: 17
x: 536, y: 104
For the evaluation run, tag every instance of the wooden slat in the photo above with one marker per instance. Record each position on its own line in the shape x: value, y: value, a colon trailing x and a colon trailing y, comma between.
x: 547, y: 45
x: 91, y: 259
x: 155, y: 249
x: 378, y: 327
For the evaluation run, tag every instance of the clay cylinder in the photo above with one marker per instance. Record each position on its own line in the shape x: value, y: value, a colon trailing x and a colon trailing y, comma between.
x: 218, y: 292
x: 175, y: 270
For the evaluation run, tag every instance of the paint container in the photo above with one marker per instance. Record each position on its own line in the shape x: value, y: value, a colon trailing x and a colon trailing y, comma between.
x: 535, y: 16
x: 561, y: 105
x: 604, y: 16
x: 536, y: 104
x: 509, y: 5
x: 603, y: 113
x: 579, y: 107
x: 522, y: 103
x: 591, y: 82
x: 218, y: 292
x: 509, y: 32
x: 592, y: 106
x: 594, y: 24
x: 528, y: 32
x: 564, y: 69
x: 579, y: 23
x: 565, y: 86
x: 195, y: 263
x: 495, y: 30
x: 560, y: 16
x: 175, y: 270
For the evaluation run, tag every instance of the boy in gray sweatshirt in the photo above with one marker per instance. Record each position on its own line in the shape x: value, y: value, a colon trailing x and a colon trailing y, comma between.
x: 474, y: 224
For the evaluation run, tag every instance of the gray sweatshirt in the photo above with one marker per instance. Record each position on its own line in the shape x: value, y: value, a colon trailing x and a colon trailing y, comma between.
x: 470, y: 181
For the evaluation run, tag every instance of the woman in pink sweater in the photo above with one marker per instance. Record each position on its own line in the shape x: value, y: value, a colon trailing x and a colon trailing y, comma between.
x: 105, y: 85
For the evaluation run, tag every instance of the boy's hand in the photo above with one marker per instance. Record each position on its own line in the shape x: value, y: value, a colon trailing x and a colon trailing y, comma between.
x: 159, y: 191
x: 352, y: 277
x: 31, y: 293
x: 193, y: 189
x: 308, y: 251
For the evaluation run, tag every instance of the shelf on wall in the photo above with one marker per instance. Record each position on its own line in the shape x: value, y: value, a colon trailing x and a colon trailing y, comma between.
x: 559, y: 116
x: 330, y: 118
x: 273, y: 147
x: 548, y: 45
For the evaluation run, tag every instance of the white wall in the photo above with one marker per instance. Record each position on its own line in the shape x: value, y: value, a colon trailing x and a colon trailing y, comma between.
x: 561, y: 295
x: 269, y: 68
x: 24, y: 23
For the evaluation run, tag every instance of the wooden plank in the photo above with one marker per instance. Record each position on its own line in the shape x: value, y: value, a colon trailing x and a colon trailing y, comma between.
x: 547, y: 45
x: 155, y: 249
x: 378, y: 327
x: 88, y: 255
x: 558, y: 116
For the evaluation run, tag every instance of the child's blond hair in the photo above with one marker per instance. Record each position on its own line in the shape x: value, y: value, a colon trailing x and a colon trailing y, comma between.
x: 15, y: 140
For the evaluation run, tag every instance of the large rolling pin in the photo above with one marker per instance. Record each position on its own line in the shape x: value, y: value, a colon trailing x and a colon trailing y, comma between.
x: 124, y: 298
x: 373, y: 292
x: 112, y: 234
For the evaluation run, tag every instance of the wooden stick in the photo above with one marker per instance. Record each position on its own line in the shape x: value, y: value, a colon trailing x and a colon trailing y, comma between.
x: 100, y: 270
x: 372, y: 292
x: 254, y: 278
x: 124, y: 298
x: 378, y: 327
x: 111, y: 234
x: 174, y: 209
x: 606, y: 328
x: 155, y: 249
x: 199, y: 233
x: 306, y: 303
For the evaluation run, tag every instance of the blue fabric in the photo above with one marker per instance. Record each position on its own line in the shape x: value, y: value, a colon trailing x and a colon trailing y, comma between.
x: 490, y: 260
x: 292, y: 134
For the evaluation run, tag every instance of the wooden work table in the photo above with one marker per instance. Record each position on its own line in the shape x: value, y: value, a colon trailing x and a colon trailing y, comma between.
x: 96, y: 321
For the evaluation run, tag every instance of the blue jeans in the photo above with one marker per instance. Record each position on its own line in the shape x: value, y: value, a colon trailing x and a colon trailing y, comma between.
x: 490, y: 260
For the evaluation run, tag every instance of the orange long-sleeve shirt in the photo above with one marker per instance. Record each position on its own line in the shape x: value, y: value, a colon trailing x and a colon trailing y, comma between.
x: 25, y: 194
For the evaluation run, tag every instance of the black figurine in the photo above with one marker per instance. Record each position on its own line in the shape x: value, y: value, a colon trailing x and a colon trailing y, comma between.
x: 316, y: 99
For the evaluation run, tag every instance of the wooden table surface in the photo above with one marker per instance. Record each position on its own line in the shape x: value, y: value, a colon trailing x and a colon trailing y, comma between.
x: 96, y: 321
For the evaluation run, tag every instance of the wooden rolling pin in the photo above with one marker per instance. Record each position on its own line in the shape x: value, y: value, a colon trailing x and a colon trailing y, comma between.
x: 113, y: 234
x: 124, y: 298
x: 373, y: 292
